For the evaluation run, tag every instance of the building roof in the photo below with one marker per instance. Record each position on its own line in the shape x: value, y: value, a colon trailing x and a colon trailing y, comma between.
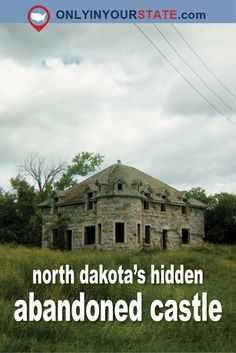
x: 103, y: 184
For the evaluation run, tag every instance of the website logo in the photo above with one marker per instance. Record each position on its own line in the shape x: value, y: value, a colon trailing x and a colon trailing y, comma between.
x: 38, y: 17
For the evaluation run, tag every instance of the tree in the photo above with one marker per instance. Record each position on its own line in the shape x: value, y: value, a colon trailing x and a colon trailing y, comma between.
x: 220, y: 216
x: 83, y: 164
x: 59, y: 175
x: 8, y: 218
x: 28, y: 215
x: 221, y: 219
x: 20, y: 218
x: 199, y: 193
x: 43, y: 175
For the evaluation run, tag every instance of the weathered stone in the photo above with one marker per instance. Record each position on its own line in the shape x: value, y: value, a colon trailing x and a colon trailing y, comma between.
x: 120, y: 208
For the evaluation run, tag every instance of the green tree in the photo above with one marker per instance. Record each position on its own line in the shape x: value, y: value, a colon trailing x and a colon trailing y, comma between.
x: 82, y: 164
x: 20, y: 218
x: 60, y: 176
x: 199, y: 193
x: 220, y: 216
x: 28, y: 215
x: 8, y: 218
x: 220, y: 219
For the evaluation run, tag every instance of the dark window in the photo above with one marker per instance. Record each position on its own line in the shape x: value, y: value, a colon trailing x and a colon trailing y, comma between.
x: 147, y: 235
x: 90, y: 202
x: 146, y: 202
x: 164, y: 239
x: 68, y: 240
x: 119, y: 233
x: 89, y: 235
x: 185, y: 236
x: 184, y: 209
x: 119, y: 186
x: 139, y: 232
x: 99, y: 233
x: 62, y: 239
x: 163, y: 207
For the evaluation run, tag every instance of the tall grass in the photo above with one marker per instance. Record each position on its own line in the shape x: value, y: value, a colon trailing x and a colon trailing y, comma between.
x: 217, y: 262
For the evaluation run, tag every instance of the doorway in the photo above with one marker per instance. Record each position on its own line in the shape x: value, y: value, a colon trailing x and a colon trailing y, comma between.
x: 185, y: 236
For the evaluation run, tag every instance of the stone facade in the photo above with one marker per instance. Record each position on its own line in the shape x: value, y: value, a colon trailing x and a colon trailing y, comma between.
x: 122, y: 208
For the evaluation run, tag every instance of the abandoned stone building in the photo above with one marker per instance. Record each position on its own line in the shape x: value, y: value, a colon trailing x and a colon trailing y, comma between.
x: 121, y: 208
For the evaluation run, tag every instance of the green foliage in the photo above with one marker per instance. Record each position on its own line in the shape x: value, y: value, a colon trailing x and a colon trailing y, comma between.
x: 8, y: 217
x: 83, y: 164
x: 221, y: 220
x: 217, y: 262
x: 220, y: 217
x: 20, y: 218
x: 199, y: 193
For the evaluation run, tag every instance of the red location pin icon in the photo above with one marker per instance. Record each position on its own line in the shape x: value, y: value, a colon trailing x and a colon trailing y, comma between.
x: 38, y: 17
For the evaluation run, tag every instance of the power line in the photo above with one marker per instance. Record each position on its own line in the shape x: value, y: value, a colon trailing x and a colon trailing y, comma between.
x: 180, y: 73
x: 194, y: 71
x: 203, y: 62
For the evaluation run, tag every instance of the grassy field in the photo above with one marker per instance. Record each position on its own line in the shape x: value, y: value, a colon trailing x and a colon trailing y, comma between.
x: 217, y: 262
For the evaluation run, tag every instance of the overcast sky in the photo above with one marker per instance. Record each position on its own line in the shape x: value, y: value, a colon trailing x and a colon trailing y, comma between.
x: 105, y: 89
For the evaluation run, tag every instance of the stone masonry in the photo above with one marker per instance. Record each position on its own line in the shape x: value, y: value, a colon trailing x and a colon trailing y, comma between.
x: 121, y: 208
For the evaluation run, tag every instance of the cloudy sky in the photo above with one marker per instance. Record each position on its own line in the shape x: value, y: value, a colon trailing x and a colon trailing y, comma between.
x: 105, y: 89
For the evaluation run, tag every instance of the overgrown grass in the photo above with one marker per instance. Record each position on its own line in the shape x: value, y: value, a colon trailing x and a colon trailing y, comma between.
x: 217, y: 262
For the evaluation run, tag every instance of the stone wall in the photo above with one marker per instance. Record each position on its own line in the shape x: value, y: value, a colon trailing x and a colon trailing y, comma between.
x: 129, y: 210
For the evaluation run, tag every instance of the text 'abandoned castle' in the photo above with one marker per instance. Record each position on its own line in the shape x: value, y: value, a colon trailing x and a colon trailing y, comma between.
x: 121, y: 208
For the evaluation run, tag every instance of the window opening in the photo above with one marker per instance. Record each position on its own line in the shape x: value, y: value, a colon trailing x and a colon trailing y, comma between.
x: 119, y: 233
x: 89, y: 235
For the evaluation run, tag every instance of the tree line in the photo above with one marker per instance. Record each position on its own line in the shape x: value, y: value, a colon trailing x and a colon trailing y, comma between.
x: 20, y: 218
x: 220, y: 216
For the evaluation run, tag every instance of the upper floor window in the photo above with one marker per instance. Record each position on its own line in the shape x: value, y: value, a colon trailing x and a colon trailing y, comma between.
x: 184, y: 209
x: 146, y: 202
x: 163, y: 207
x: 135, y: 187
x: 90, y: 201
x: 119, y: 186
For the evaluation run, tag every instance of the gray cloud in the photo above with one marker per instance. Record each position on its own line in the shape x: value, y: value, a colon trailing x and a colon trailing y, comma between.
x: 105, y: 89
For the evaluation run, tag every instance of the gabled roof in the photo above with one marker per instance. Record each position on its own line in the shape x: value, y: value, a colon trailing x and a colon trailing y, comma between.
x: 117, y: 172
